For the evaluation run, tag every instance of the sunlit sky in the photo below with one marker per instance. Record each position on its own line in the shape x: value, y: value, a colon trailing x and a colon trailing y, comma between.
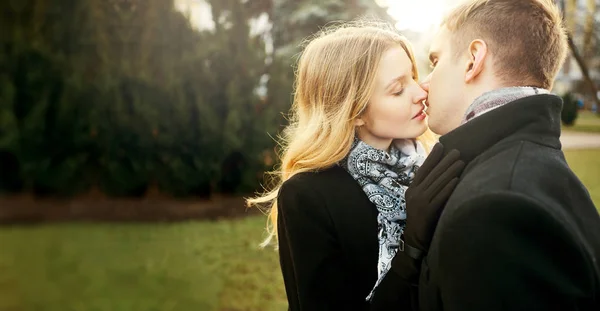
x: 417, y: 15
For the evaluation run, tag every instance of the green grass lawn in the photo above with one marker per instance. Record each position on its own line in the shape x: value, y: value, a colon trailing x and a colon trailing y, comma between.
x: 585, y: 122
x: 586, y: 164
x: 196, y: 266
x: 139, y: 267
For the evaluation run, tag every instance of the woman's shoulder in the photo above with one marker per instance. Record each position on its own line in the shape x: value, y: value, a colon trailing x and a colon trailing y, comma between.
x: 304, y: 192
x: 322, y: 184
x: 322, y: 178
x: 316, y: 192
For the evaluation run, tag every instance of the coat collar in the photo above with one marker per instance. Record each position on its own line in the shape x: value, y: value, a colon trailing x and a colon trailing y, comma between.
x: 533, y: 118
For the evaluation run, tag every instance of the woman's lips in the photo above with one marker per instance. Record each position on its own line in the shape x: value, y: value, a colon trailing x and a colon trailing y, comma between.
x: 421, y: 115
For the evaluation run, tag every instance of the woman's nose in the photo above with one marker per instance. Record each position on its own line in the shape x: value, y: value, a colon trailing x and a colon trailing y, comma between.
x: 421, y: 95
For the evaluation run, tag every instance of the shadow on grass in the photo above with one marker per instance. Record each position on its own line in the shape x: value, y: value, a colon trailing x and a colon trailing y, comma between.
x: 26, y: 209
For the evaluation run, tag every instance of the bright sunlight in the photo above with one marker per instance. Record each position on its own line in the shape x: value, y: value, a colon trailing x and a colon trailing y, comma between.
x: 418, y: 16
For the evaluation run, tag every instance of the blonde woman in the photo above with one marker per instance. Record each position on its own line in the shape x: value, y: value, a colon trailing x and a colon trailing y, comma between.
x: 357, y: 135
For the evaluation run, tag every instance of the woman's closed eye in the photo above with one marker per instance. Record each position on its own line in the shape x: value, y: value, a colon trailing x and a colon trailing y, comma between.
x: 399, y: 92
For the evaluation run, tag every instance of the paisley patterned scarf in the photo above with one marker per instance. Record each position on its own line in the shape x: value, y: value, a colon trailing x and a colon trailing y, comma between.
x: 384, y: 177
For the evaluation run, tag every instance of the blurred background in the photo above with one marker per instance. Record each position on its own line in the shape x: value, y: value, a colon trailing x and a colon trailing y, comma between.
x: 131, y: 131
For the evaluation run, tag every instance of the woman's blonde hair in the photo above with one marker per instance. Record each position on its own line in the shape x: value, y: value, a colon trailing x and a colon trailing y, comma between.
x: 334, y: 80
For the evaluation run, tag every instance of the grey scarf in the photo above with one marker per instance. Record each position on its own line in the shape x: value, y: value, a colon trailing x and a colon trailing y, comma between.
x: 497, y: 98
x: 384, y: 178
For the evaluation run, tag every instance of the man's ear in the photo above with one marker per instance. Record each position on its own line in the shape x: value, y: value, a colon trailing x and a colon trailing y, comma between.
x: 477, y: 54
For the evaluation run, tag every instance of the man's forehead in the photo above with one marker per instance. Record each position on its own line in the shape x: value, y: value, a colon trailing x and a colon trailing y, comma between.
x: 440, y: 38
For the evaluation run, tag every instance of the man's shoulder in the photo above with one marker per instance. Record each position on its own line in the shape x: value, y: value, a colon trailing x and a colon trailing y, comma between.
x: 522, y: 171
x: 515, y: 167
x: 531, y: 176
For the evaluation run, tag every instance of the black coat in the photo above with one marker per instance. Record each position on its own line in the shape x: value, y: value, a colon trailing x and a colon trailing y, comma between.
x: 328, y: 243
x: 520, y: 231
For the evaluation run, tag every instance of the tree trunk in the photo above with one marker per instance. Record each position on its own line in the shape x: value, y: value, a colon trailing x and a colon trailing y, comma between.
x: 584, y: 70
x: 588, y: 32
x: 569, y: 8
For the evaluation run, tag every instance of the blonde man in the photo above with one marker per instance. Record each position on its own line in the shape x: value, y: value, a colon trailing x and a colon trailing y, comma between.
x: 520, y: 231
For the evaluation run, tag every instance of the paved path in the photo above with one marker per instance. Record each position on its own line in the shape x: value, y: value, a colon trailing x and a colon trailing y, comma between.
x: 578, y: 140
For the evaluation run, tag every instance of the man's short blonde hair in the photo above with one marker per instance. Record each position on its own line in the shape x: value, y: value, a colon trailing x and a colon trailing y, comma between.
x: 526, y: 37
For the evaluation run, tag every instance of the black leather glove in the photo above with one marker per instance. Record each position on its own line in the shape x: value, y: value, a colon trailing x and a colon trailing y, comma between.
x: 425, y: 199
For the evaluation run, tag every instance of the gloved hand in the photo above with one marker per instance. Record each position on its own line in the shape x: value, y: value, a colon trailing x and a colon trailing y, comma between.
x: 425, y: 199
x: 426, y: 196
